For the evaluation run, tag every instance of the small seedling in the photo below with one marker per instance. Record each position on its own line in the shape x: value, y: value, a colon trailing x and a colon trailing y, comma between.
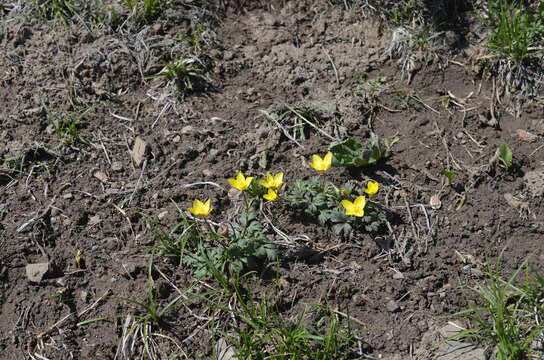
x: 186, y: 75
x: 505, y: 156
x: 449, y: 174
x: 67, y: 126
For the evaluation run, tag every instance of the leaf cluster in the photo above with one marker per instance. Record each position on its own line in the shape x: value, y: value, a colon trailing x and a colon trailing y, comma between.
x: 352, y: 153
x: 187, y: 75
x: 322, y: 203
x: 244, y: 249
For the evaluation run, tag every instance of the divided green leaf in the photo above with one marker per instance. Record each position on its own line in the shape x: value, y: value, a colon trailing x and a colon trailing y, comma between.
x: 352, y: 153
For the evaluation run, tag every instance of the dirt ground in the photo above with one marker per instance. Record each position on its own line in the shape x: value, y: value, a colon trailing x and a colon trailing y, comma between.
x: 89, y: 197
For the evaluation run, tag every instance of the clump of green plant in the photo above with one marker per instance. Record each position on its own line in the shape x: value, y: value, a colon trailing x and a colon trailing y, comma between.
x: 242, y: 248
x: 449, y: 175
x: 186, y: 75
x: 36, y: 157
x: 515, y: 28
x: 403, y: 12
x: 63, y: 9
x: 149, y: 315
x: 264, y: 333
x: 145, y: 11
x: 67, y: 126
x: 323, y: 202
x: 510, y: 316
x: 505, y: 156
x: 352, y: 153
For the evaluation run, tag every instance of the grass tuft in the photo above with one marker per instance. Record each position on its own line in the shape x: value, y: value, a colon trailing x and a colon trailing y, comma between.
x: 510, y: 316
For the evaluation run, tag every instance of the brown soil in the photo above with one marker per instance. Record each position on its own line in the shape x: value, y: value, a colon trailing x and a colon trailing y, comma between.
x: 296, y: 53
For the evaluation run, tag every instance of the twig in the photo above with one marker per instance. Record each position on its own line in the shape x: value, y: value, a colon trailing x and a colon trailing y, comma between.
x: 285, y: 132
x: 93, y: 305
x: 310, y: 123
x: 204, y: 183
x: 38, y: 217
x: 536, y: 150
x: 163, y: 110
x: 422, y: 103
x: 121, y: 117
x: 415, y: 233
x: 349, y: 317
x: 105, y: 152
x: 333, y: 66
x: 137, y: 187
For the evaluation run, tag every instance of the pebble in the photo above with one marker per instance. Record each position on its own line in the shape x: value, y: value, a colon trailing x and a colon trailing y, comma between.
x: 36, y: 272
x: 392, y: 306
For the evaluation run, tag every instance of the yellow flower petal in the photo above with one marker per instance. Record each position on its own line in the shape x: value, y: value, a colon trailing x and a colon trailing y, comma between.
x: 271, y: 195
x: 272, y: 181
x: 327, y: 160
x: 241, y: 183
x: 321, y: 164
x: 201, y: 209
x: 278, y: 180
x: 356, y: 208
x: 348, y: 205
x: 360, y: 202
x: 372, y: 187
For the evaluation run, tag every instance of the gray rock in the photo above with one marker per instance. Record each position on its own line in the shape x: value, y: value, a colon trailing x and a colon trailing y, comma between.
x: 534, y: 180
x: 36, y: 272
x: 455, y: 350
x: 392, y: 306
x: 451, y: 329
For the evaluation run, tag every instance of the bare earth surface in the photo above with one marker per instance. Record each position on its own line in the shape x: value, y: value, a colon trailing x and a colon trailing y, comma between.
x: 91, y: 197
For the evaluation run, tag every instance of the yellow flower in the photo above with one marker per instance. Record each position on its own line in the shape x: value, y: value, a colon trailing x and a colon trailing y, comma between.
x: 270, y: 195
x: 200, y: 208
x: 272, y: 181
x: 372, y: 187
x: 321, y: 164
x: 356, y: 208
x: 241, y: 182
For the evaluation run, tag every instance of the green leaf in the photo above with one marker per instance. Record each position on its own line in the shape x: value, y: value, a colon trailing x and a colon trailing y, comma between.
x: 351, y: 153
x: 505, y: 156
x: 449, y: 174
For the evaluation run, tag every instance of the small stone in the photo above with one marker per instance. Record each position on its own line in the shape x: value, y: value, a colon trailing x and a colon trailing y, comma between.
x: 435, y: 202
x: 162, y: 214
x: 187, y: 130
x: 83, y: 295
x: 138, y: 151
x: 117, y: 166
x: 526, y: 136
x: 398, y: 275
x: 36, y: 272
x: 93, y: 220
x: 451, y: 329
x: 67, y: 196
x: 455, y: 350
x: 207, y: 173
x: 101, y: 176
x: 176, y: 139
x: 534, y: 180
x: 133, y: 266
x: 392, y: 306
